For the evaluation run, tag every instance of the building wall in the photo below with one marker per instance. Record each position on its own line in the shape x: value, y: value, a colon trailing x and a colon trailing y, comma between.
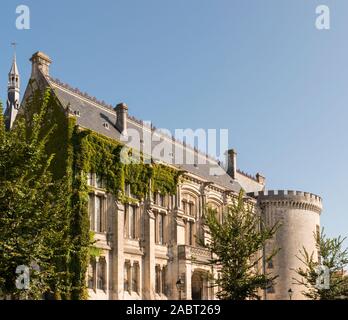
x: 163, y: 261
x: 299, y: 216
x: 159, y: 261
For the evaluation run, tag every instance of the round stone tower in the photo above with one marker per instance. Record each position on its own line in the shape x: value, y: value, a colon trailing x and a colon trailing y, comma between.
x: 299, y: 216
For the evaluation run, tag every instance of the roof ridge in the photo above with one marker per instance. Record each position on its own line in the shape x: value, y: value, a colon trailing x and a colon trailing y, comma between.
x: 79, y: 92
x: 140, y: 122
x: 247, y: 174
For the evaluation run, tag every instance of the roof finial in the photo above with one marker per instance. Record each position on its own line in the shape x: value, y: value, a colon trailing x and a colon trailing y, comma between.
x: 14, y: 45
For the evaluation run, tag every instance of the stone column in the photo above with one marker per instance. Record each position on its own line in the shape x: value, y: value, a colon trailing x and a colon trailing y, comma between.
x: 117, y: 253
x: 149, y: 258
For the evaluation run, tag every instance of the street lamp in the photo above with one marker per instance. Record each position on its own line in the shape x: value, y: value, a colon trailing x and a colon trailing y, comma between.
x: 290, y: 293
x: 180, y: 286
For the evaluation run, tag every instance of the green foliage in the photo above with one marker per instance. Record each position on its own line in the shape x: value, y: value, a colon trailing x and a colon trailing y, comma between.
x: 236, y: 246
x: 44, y: 194
x: 101, y: 155
x: 333, y: 257
x: 165, y: 179
x: 93, y: 250
x: 33, y: 210
x: 93, y: 153
x: 55, y: 120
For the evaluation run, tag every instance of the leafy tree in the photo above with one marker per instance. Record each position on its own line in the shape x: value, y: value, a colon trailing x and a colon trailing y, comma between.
x: 236, y: 246
x: 33, y: 208
x: 332, y: 257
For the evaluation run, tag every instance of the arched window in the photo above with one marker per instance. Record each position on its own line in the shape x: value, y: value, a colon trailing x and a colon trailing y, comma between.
x: 189, y: 205
x: 217, y: 209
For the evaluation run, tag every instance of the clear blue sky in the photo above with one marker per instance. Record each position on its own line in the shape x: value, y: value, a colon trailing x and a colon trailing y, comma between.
x: 259, y: 68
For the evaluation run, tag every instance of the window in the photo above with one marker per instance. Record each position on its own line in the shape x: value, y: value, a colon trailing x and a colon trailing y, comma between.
x: 100, y: 181
x: 159, y: 228
x: 131, y: 277
x: 95, y: 207
x: 161, y: 200
x: 158, y: 280
x: 190, y: 209
x: 91, y: 274
x: 91, y: 211
x: 77, y: 113
x: 97, y: 214
x: 131, y: 221
x: 160, y: 284
x: 135, y: 277
x: 189, y: 205
x: 101, y: 272
x: 126, y: 271
x: 131, y: 225
x: 218, y: 211
x: 183, y: 206
x: 164, y: 274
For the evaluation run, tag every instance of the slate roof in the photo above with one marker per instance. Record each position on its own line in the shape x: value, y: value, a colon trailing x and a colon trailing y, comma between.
x: 94, y: 115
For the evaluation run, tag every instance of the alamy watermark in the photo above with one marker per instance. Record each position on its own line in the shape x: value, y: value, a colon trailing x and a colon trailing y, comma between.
x: 23, y: 17
x: 23, y: 278
x: 323, y: 280
x: 185, y: 147
x: 322, y: 21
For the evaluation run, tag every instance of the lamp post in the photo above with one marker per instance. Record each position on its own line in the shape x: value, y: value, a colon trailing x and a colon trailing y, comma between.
x: 180, y: 286
x: 290, y: 293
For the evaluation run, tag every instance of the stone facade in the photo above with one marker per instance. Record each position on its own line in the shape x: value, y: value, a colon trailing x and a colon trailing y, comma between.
x: 298, y: 214
x: 147, y: 247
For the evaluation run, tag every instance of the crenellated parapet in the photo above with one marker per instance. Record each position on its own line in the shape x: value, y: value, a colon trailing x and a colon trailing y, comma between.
x: 289, y: 198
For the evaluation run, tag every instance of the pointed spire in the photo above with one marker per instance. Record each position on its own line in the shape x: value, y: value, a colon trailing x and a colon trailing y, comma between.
x: 14, y: 68
x: 13, y: 93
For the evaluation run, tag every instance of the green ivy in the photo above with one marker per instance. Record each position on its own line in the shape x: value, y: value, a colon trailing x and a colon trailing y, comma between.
x: 101, y: 155
x: 79, y: 152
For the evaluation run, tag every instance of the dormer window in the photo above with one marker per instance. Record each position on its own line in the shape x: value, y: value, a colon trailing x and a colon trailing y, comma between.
x: 106, y: 125
x: 77, y: 113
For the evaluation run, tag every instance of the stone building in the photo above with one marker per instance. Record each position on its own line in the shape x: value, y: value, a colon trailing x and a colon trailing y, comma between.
x: 149, y: 246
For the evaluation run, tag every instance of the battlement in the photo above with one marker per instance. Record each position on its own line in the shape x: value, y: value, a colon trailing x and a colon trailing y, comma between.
x: 292, y: 198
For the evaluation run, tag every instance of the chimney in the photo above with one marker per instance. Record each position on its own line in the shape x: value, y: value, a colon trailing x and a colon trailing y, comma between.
x: 121, y: 117
x: 260, y: 178
x: 40, y: 61
x: 232, y: 163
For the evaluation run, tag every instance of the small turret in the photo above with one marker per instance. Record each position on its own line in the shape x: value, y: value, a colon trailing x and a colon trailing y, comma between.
x: 13, y: 94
